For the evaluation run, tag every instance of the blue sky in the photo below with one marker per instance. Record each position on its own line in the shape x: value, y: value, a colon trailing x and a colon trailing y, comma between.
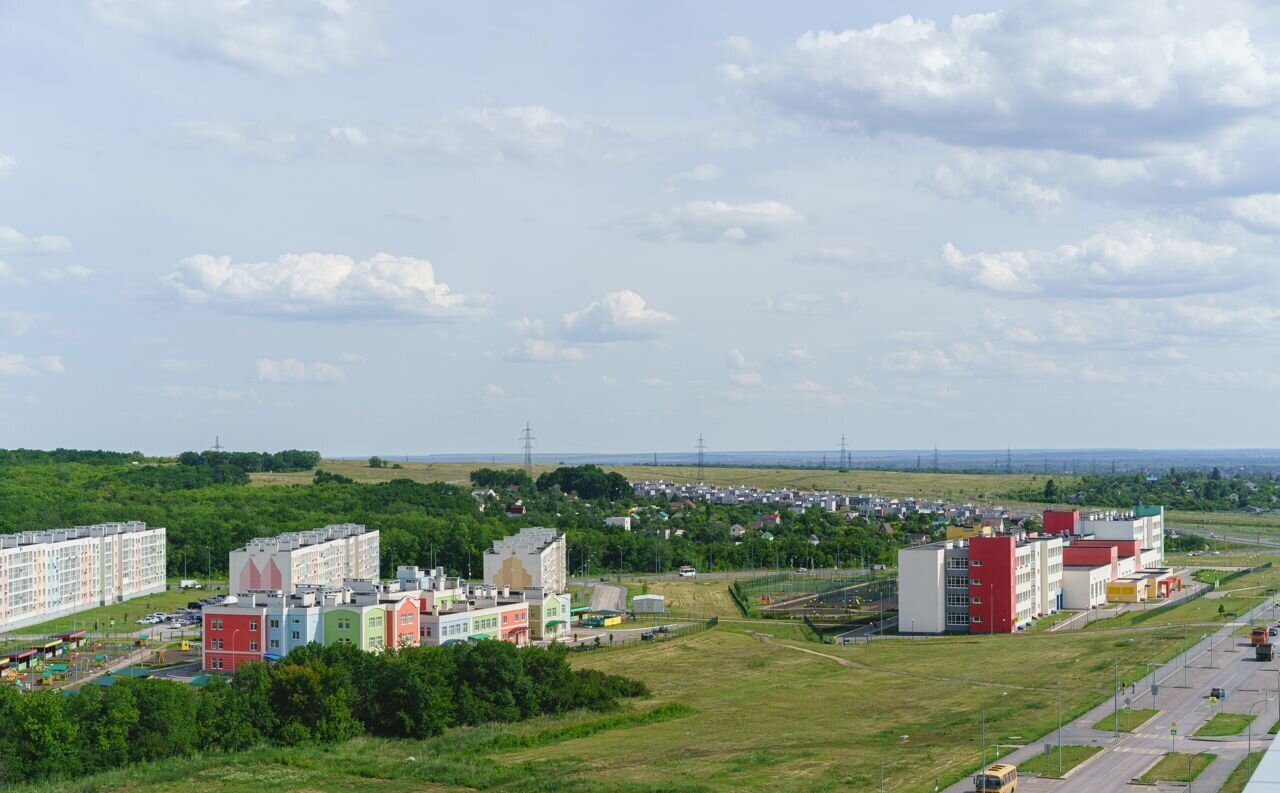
x: 410, y: 227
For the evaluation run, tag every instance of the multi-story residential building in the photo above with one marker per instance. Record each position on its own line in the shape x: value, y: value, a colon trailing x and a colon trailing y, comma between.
x: 536, y: 557
x: 48, y: 574
x: 320, y: 557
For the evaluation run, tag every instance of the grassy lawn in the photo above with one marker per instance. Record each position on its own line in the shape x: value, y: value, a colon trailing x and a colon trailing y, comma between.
x: 690, y: 596
x: 1238, y: 596
x: 1129, y: 721
x: 1224, y: 724
x: 886, y: 483
x: 125, y: 614
x: 1241, y: 773
x: 776, y: 715
x: 1173, y: 768
x: 1047, y: 765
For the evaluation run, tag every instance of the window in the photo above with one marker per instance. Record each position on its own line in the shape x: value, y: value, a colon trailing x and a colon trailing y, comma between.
x: 275, y: 644
x: 976, y: 581
x: 253, y: 625
x: 275, y: 623
x: 977, y: 601
x: 253, y: 645
x: 957, y: 600
x: 426, y: 631
x: 975, y: 619
x: 975, y: 563
x: 296, y: 636
x: 957, y: 582
x: 957, y: 619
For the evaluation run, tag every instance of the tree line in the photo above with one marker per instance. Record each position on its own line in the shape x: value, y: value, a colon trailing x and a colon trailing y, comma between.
x: 314, y: 695
x: 1191, y: 490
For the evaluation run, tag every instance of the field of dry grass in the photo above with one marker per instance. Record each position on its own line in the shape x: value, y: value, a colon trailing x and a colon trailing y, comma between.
x: 979, y: 487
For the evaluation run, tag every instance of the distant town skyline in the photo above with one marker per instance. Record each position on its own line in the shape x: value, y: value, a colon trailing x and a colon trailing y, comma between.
x: 402, y: 228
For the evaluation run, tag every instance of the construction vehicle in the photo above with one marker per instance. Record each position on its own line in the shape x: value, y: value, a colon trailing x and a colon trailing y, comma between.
x: 1265, y: 651
x: 1258, y: 636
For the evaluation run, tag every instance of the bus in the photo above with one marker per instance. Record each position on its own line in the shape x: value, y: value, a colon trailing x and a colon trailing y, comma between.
x: 687, y: 571
x: 997, y: 778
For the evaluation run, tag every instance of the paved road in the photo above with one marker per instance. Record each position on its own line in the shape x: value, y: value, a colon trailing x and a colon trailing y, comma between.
x: 1253, y: 539
x: 608, y: 597
x: 1183, y: 685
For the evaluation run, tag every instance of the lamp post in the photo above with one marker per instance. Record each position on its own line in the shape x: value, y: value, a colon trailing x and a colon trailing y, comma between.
x: 233, y: 649
x: 1191, y: 757
x: 983, y: 711
x: 1262, y: 701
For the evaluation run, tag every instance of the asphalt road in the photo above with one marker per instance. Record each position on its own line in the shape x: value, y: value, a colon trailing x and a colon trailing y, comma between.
x: 1182, y: 699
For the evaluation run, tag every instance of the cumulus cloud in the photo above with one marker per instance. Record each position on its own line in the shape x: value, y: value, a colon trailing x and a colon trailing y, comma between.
x: 738, y: 360
x: 322, y: 286
x: 19, y: 365
x: 1123, y: 261
x: 807, y: 304
x: 291, y: 370
x: 1092, y: 76
x: 494, y: 390
x: 716, y: 221
x: 1260, y: 212
x: 283, y: 38
x: 972, y: 175
x: 817, y: 391
x: 14, y: 241
x: 17, y: 322
x: 7, y: 164
x: 618, y: 316
x: 706, y: 172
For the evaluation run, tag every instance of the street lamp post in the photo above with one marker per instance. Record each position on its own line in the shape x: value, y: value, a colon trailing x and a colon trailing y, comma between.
x: 1262, y: 701
x: 1191, y: 757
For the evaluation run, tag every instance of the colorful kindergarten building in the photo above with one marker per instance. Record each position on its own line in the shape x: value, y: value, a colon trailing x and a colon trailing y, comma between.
x: 418, y: 608
x: 985, y: 580
x: 49, y: 574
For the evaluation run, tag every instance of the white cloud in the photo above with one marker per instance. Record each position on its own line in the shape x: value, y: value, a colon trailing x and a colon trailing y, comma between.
x: 18, y: 322
x: 351, y: 357
x: 7, y: 164
x: 1123, y: 261
x: 795, y: 355
x: 1260, y: 212
x: 845, y: 257
x: 654, y: 382
x: 322, y: 285
x: 977, y: 175
x: 609, y: 381
x: 716, y: 221
x: 351, y: 136
x: 291, y: 370
x: 494, y: 390
x: 738, y: 45
x: 57, y: 275
x: 746, y: 378
x: 817, y: 391
x: 285, y: 38
x: 14, y: 241
x: 807, y: 304
x: 543, y: 351
x: 1083, y: 76
x: 738, y: 360
x: 519, y: 133
x: 706, y: 172
x: 19, y: 365
x: 618, y: 316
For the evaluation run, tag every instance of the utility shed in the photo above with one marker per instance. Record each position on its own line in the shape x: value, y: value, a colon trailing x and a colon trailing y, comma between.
x: 648, y: 604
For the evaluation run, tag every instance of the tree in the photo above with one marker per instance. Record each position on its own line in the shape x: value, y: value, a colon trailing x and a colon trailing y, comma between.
x: 1050, y: 492
x: 376, y: 462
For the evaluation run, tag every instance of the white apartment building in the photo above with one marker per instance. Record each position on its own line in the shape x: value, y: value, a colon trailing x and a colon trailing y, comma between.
x: 536, y: 557
x: 1085, y: 587
x: 48, y: 574
x: 320, y: 557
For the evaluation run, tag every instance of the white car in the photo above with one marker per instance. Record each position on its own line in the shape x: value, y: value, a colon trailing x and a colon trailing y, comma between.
x: 688, y: 572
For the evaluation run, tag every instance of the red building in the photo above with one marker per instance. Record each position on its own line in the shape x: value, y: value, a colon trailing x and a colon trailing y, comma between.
x: 515, y: 625
x: 233, y: 636
x: 1062, y: 521
x: 1083, y: 554
x: 402, y: 622
x: 991, y: 584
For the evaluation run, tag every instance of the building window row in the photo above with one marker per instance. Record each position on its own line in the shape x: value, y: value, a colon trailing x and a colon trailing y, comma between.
x: 957, y: 582
x: 957, y: 619
x: 957, y: 600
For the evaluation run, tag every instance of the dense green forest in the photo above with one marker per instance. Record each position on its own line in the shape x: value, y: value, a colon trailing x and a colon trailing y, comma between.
x: 314, y: 695
x: 422, y: 524
x: 1185, y: 490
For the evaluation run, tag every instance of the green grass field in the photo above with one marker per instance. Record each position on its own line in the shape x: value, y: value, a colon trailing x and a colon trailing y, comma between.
x: 1128, y: 721
x: 1224, y: 724
x: 1048, y: 765
x: 705, y: 598
x: 887, y: 483
x: 766, y: 713
x: 1173, y: 768
x: 1241, y: 773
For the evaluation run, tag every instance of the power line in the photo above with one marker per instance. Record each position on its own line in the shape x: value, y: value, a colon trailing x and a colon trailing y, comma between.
x: 527, y: 437
x: 702, y: 457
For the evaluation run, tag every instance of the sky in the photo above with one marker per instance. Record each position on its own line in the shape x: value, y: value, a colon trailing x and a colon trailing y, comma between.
x: 410, y: 228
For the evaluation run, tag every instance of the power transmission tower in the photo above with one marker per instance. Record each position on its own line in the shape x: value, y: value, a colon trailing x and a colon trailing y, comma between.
x: 935, y: 458
x: 917, y: 462
x: 217, y: 444
x: 702, y: 456
x: 527, y: 437
x: 844, y: 453
x: 1008, y: 460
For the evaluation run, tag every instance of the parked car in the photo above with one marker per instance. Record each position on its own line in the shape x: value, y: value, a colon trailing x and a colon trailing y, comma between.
x: 1218, y: 691
x: 802, y: 569
x: 1272, y: 631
